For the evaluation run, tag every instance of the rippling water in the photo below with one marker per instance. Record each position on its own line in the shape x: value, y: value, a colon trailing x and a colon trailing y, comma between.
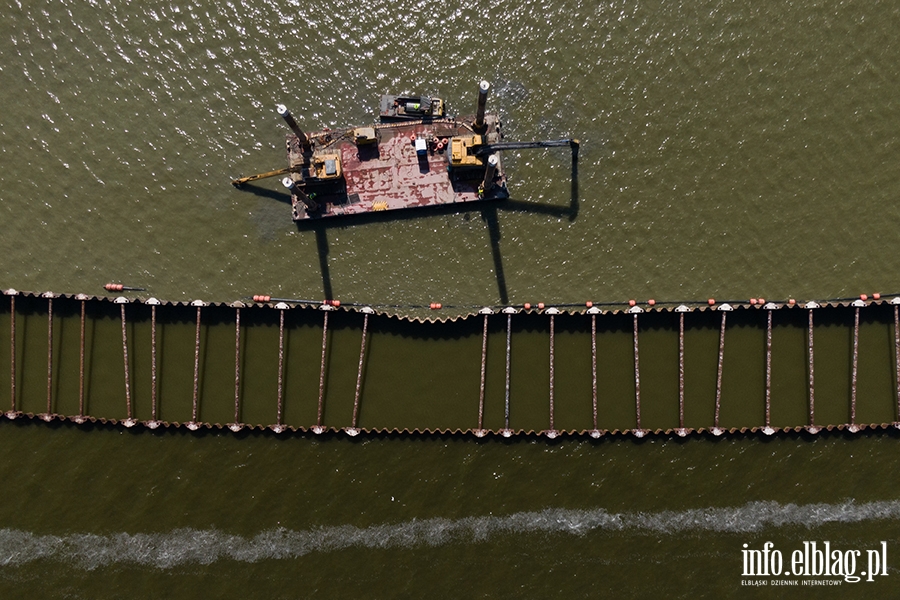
x: 728, y: 150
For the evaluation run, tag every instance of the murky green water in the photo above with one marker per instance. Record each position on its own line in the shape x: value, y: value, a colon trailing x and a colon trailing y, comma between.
x: 727, y: 151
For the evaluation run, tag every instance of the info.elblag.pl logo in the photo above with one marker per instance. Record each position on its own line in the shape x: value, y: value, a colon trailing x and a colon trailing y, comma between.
x: 826, y: 565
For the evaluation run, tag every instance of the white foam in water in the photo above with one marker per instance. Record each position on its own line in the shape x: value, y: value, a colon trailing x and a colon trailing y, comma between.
x: 184, y: 546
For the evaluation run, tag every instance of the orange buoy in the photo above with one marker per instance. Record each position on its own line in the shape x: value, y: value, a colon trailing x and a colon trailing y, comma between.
x: 791, y: 301
x: 114, y: 287
x: 876, y: 296
x: 761, y: 300
x: 631, y: 303
x: 863, y: 297
x: 753, y: 301
x: 528, y: 306
x: 651, y: 302
x: 261, y: 298
x: 541, y: 305
x: 711, y: 301
x: 435, y: 305
x: 589, y: 304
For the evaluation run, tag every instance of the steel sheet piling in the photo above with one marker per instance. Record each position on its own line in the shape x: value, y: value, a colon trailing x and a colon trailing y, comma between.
x: 53, y: 382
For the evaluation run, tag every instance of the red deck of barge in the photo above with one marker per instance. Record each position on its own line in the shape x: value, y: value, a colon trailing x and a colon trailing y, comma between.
x: 388, y: 173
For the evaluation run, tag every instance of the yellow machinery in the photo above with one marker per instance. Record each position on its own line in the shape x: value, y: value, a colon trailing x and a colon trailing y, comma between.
x: 462, y: 151
x: 364, y: 135
x: 326, y: 167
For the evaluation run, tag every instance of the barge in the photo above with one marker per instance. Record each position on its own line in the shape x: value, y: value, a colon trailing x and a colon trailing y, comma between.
x: 415, y: 156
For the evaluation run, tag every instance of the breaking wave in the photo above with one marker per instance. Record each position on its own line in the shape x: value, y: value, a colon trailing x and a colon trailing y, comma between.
x: 184, y: 546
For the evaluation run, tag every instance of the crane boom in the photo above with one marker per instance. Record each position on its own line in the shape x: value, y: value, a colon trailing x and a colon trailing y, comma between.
x: 491, y: 148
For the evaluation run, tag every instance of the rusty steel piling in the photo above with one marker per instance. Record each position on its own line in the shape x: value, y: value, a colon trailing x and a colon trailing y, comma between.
x: 88, y: 378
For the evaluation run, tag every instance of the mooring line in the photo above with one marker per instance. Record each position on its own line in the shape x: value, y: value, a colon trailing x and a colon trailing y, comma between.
x: 508, y: 347
x: 681, y: 370
x: 719, y: 370
x: 125, y: 361
x: 594, y: 367
x: 237, y: 367
x: 855, y: 366
x: 359, y: 370
x: 637, y: 376
x: 322, y: 371
x: 280, y: 364
x: 768, y: 366
x: 49, y: 355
